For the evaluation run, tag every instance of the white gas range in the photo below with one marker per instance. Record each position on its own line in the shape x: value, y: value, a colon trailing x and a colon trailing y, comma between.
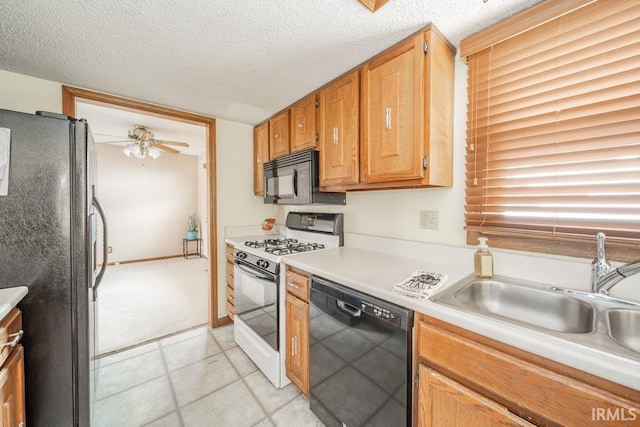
x: 259, y: 287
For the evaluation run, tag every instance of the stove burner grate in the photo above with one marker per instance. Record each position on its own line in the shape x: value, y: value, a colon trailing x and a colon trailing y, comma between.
x: 294, y: 247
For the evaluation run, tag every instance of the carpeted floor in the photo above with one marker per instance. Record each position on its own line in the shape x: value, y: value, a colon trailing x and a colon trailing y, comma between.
x: 142, y: 301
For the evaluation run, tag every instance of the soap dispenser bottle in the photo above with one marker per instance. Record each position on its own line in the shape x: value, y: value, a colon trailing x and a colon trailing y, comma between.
x: 483, y: 259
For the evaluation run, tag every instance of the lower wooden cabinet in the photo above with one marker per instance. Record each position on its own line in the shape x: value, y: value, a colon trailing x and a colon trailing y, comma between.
x: 12, y: 389
x: 230, y: 283
x: 12, y: 371
x: 468, y: 379
x: 297, y: 328
x: 298, y: 342
x: 444, y: 402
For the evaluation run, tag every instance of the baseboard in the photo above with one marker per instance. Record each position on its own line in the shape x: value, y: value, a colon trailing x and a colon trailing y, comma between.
x: 131, y: 261
x: 222, y: 321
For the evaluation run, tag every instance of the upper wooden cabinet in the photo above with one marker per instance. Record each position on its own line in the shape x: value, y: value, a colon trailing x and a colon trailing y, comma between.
x: 386, y: 124
x: 279, y: 135
x: 303, y: 124
x: 407, y: 114
x: 338, y: 132
x: 392, y: 106
x: 260, y: 155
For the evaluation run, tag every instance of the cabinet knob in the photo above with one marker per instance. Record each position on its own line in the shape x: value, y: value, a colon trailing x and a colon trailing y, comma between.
x: 388, y: 117
x: 300, y: 125
x: 335, y: 136
x: 294, y: 285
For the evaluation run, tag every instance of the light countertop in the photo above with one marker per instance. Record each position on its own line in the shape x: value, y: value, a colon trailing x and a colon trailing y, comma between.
x: 10, y: 297
x: 374, y: 273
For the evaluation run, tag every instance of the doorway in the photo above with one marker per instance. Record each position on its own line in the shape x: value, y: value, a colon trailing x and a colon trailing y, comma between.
x: 70, y: 97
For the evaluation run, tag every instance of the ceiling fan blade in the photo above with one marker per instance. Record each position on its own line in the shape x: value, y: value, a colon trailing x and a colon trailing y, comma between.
x: 179, y: 144
x: 165, y: 148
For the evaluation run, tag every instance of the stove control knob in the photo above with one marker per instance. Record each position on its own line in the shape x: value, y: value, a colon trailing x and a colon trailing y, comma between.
x: 263, y: 264
x: 241, y: 255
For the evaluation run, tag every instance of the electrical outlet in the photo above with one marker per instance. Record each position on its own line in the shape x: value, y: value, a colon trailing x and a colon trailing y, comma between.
x: 429, y: 220
x: 109, y: 249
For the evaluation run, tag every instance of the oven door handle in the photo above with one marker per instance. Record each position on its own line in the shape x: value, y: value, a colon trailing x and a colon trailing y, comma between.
x: 252, y: 272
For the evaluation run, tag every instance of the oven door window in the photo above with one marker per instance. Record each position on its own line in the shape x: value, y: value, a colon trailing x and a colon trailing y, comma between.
x: 256, y: 303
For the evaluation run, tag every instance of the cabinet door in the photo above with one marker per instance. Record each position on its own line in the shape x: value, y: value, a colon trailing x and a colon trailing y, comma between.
x: 392, y: 111
x: 303, y: 124
x: 339, y: 111
x: 12, y: 389
x: 297, y: 345
x: 442, y: 402
x: 279, y: 135
x: 260, y: 155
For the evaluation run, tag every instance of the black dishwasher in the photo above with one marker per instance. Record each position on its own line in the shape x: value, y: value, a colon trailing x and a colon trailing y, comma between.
x: 359, y: 359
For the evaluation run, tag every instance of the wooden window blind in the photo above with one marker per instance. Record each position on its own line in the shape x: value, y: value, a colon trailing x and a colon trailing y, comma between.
x: 553, y: 133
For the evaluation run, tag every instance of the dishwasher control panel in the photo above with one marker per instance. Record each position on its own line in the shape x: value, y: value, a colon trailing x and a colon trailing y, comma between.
x: 380, y: 311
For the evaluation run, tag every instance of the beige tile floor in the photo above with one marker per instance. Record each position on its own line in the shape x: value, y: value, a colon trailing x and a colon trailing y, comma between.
x: 196, y: 378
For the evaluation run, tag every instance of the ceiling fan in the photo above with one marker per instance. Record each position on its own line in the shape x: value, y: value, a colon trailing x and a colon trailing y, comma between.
x: 143, y: 143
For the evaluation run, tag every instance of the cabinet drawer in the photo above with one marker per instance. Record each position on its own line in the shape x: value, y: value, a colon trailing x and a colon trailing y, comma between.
x: 230, y: 274
x: 297, y: 285
x: 510, y: 380
x: 230, y: 253
x: 10, y: 332
x: 230, y: 310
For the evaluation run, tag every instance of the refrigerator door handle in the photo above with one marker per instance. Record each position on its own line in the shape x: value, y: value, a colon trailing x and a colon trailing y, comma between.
x: 105, y: 244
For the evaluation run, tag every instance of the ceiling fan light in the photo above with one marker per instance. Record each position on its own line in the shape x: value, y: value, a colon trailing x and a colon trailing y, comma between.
x: 154, y: 152
x: 127, y: 150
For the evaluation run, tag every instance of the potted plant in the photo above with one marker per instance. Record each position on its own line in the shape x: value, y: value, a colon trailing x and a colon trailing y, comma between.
x: 192, y: 227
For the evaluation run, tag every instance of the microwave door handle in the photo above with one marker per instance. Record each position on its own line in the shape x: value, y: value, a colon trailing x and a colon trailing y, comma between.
x: 295, y: 183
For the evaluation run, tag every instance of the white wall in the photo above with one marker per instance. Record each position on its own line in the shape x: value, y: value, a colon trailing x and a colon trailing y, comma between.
x: 147, y: 202
x: 28, y: 94
x: 396, y: 213
x: 237, y: 206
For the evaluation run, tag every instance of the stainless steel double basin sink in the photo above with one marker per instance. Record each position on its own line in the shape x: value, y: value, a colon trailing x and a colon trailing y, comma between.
x: 590, y: 319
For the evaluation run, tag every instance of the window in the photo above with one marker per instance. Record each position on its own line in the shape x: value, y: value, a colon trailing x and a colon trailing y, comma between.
x: 553, y: 129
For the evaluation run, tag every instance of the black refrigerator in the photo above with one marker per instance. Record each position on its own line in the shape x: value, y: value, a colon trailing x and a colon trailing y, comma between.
x: 49, y: 225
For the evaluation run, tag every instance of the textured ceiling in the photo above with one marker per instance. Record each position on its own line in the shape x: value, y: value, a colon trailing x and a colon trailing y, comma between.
x: 240, y: 60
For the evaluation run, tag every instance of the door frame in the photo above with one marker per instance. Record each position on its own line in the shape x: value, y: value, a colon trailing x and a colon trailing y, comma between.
x: 72, y: 94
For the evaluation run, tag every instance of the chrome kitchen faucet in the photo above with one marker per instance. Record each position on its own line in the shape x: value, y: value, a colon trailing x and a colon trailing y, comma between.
x: 599, y: 266
x: 602, y: 279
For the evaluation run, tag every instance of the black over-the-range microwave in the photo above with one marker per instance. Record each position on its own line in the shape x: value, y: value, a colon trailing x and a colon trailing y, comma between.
x: 294, y: 180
